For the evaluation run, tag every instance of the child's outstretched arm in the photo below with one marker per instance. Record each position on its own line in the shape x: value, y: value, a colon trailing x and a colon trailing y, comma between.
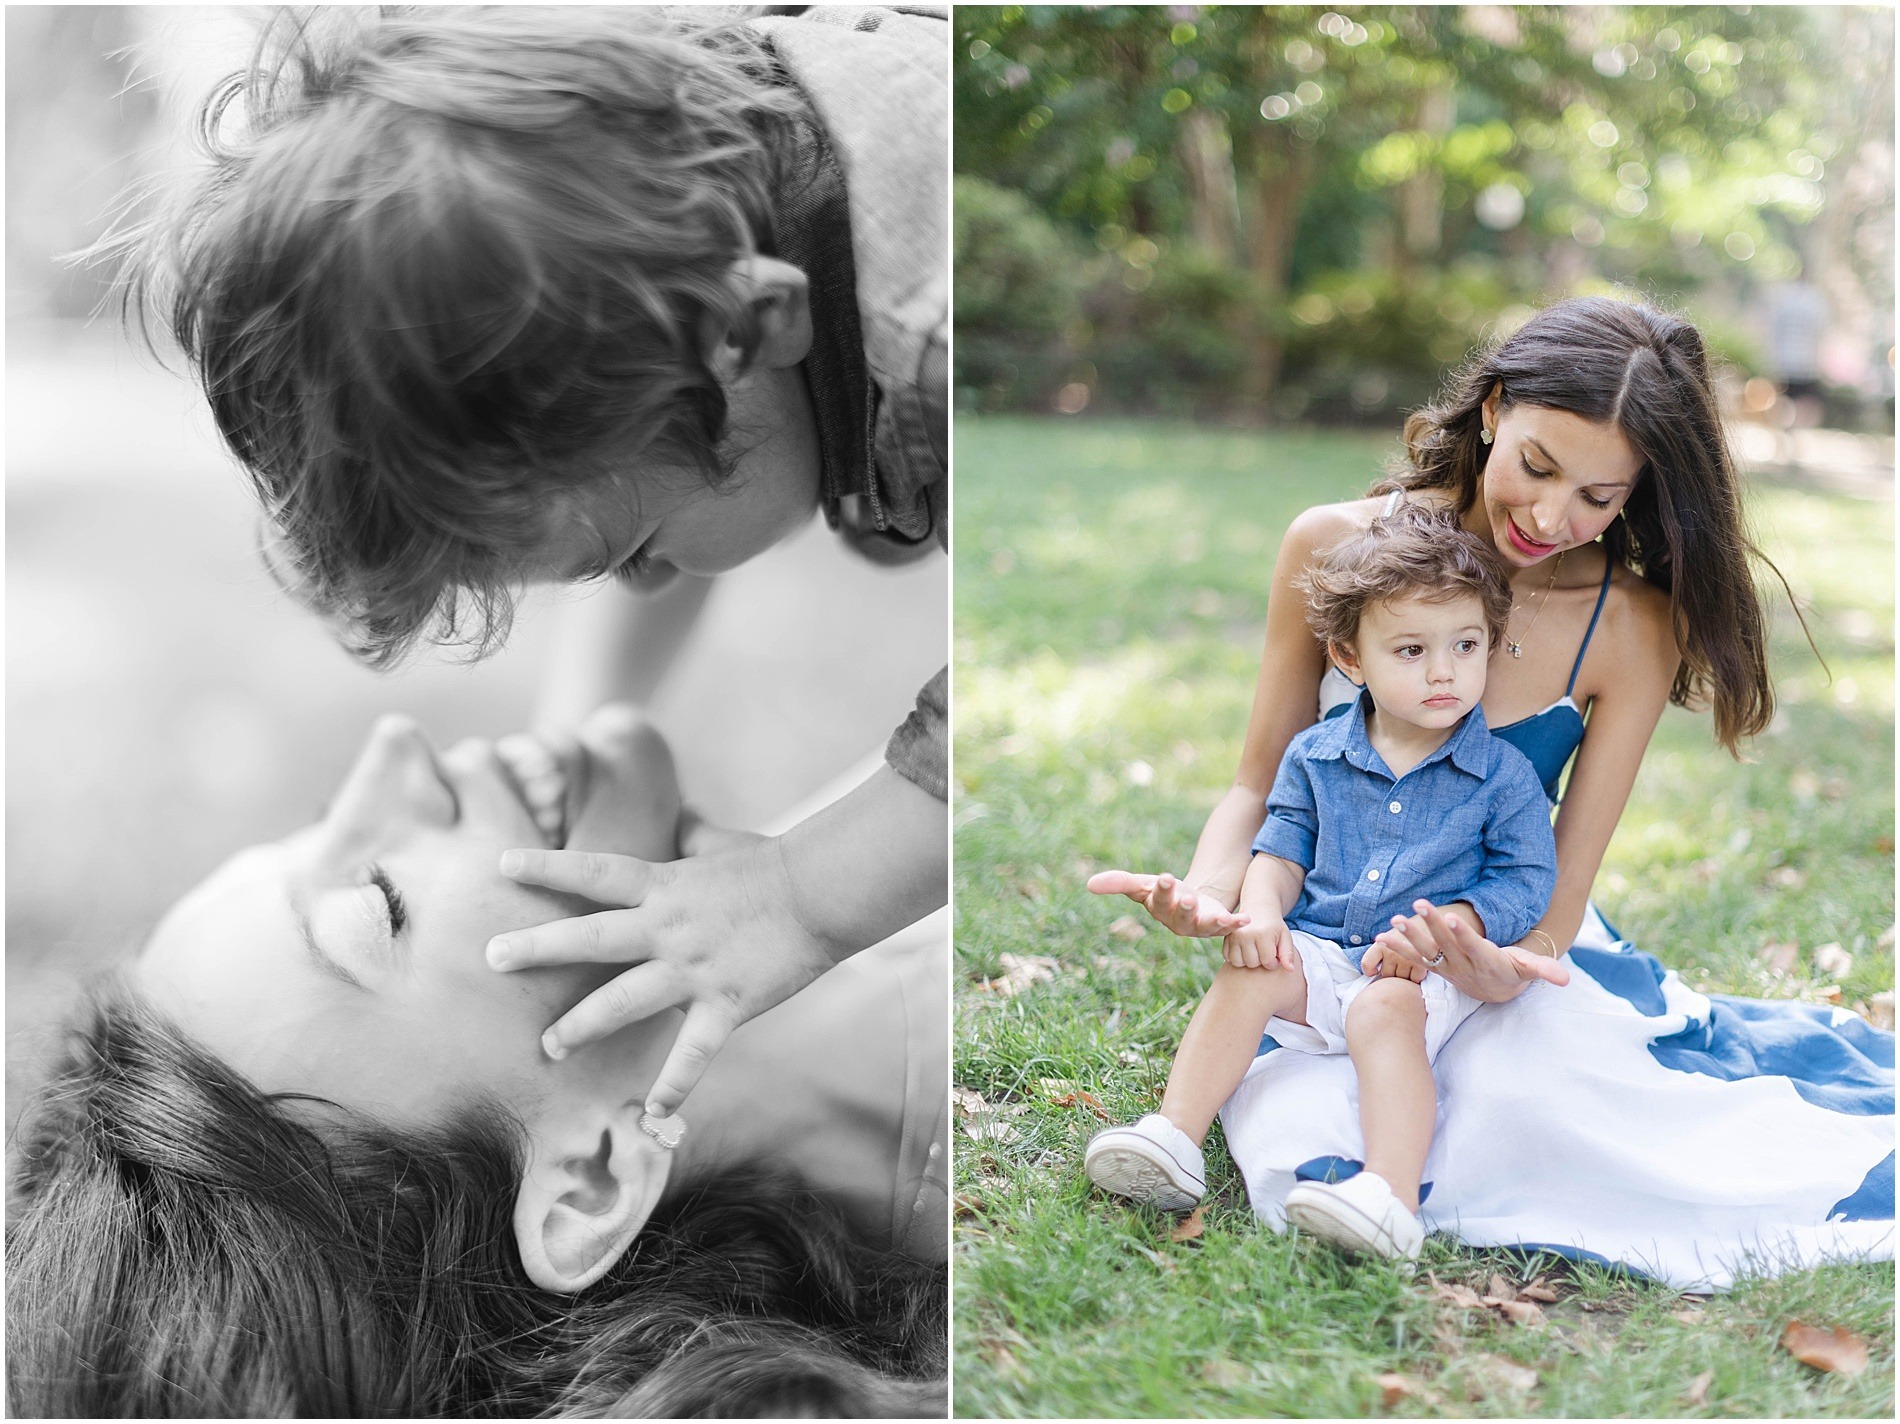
x: 728, y: 933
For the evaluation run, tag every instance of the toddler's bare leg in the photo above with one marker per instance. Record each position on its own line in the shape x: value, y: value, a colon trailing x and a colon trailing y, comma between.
x: 1398, y: 1101
x: 1222, y: 1039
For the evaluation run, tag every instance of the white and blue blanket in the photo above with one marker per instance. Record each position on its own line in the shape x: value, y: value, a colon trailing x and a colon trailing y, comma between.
x: 1625, y: 1119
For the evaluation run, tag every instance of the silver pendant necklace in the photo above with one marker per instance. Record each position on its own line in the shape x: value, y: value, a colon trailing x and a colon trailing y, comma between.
x: 1516, y: 645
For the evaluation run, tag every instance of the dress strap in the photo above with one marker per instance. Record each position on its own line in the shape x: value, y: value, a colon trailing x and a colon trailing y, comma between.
x: 1609, y: 567
x: 1392, y: 502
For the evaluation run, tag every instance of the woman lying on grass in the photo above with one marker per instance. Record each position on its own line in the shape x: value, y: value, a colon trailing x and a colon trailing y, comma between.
x: 1618, y: 1116
x: 306, y: 1156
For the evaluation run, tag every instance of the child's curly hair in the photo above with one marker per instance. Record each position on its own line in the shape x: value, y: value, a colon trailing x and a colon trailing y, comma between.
x: 449, y: 263
x: 1414, y: 552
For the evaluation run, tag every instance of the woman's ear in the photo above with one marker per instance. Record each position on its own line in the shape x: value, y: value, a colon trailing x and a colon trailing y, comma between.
x: 1347, y: 661
x: 1488, y: 412
x: 778, y: 296
x: 586, y: 1192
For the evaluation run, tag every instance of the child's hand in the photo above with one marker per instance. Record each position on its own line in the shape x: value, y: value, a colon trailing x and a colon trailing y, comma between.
x: 1380, y: 962
x: 1171, y: 903
x: 1265, y: 943
x: 713, y: 934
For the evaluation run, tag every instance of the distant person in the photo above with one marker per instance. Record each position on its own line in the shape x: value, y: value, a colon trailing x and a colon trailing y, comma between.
x: 488, y: 297
x: 1797, y: 320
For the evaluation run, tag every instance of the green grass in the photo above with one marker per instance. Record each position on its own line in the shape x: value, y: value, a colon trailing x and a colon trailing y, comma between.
x: 1111, y: 588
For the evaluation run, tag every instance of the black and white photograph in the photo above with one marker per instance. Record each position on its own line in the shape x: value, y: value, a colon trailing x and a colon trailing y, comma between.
x: 477, y: 772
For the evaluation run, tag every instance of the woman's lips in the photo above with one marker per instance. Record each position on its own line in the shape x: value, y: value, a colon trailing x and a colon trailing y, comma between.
x: 1523, y: 542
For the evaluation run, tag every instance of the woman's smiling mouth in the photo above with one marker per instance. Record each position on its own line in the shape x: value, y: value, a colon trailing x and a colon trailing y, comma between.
x: 1523, y: 542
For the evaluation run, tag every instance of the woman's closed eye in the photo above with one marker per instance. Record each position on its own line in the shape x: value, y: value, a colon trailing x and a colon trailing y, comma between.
x: 1538, y: 474
x: 392, y: 900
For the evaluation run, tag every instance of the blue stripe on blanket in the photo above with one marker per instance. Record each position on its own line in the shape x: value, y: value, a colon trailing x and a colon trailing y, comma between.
x: 1845, y: 1067
x: 1337, y: 1169
x: 1872, y: 1200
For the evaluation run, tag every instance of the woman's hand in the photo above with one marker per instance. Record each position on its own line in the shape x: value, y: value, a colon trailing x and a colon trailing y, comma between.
x: 715, y: 934
x: 1487, y: 971
x: 1171, y: 903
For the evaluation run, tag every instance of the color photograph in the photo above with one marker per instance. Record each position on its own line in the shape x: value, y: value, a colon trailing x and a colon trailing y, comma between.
x: 1423, y: 713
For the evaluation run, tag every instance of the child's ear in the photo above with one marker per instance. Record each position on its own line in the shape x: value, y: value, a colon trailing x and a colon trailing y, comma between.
x: 588, y: 1188
x: 778, y: 297
x: 1347, y: 661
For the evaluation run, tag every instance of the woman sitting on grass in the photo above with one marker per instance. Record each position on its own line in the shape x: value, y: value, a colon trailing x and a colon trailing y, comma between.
x: 1609, y: 1112
x: 306, y: 1155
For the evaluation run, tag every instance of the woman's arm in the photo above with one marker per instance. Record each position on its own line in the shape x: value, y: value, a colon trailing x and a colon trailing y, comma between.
x: 1286, y: 698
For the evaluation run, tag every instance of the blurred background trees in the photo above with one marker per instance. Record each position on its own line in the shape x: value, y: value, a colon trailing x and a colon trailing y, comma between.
x: 1291, y: 211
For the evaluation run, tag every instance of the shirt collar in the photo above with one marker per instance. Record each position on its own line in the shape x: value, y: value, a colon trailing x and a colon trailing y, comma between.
x: 1467, y: 748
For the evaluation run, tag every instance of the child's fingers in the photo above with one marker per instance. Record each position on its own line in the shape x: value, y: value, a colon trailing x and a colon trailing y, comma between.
x: 611, y: 937
x: 700, y: 1038
x: 606, y: 879
x: 1122, y: 882
x: 1372, y: 959
x: 643, y: 991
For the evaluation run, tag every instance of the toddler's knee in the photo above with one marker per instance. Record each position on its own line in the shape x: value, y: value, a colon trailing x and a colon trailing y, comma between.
x: 1387, y: 1003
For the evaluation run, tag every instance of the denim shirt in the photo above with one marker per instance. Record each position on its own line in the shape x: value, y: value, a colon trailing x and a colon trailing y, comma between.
x: 872, y: 234
x: 1470, y: 822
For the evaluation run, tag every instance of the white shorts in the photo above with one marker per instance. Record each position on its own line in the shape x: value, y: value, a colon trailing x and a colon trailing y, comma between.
x: 1334, y: 980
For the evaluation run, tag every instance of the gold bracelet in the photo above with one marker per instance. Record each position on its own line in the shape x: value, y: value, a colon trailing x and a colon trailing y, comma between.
x: 1546, y: 938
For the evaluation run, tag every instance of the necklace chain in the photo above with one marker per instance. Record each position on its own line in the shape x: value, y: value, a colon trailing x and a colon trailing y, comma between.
x: 1516, y: 645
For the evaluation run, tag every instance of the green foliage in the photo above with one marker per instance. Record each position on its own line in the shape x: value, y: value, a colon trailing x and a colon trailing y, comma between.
x: 1674, y: 151
x: 1111, y: 588
x: 1018, y: 281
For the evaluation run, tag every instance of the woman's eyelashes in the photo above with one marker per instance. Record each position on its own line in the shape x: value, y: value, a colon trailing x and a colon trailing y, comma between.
x: 1538, y: 474
x: 392, y: 900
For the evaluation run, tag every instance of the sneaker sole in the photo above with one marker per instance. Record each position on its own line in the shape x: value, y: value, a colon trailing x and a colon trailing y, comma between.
x: 1344, y: 1225
x: 1129, y: 1171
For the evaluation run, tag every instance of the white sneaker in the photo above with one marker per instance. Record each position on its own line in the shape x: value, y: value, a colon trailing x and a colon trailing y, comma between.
x: 1360, y: 1214
x: 1151, y: 1161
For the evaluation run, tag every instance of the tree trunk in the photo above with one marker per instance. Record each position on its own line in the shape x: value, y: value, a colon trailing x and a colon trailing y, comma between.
x: 1207, y: 162
x: 1279, y: 168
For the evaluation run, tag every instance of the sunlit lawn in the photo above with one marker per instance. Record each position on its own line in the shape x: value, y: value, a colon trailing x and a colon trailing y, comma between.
x: 1110, y: 591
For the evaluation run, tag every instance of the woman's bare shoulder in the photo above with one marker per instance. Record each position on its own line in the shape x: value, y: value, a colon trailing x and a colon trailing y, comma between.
x: 1321, y: 525
x: 1640, y: 624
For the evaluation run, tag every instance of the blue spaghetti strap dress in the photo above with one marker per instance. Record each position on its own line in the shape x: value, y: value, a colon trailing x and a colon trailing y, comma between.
x: 1624, y: 1118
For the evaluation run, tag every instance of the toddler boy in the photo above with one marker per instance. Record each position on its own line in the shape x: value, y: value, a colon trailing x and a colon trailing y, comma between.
x: 1404, y: 802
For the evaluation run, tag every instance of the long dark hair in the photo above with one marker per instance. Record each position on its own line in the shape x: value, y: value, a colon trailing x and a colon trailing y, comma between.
x: 1646, y: 372
x: 180, y: 1244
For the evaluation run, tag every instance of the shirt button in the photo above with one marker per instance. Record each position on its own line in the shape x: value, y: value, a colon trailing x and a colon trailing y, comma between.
x: 1372, y: 875
x: 1395, y: 808
x: 936, y: 1150
x: 1357, y: 940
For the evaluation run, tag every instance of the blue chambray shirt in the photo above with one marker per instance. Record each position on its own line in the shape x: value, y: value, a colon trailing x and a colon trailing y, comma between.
x: 1470, y: 823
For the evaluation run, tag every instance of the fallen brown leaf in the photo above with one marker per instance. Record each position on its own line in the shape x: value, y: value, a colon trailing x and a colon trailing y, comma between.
x: 1838, y: 1351
x: 1500, y: 1287
x: 1880, y: 1009
x: 1832, y: 959
x: 1697, y: 1394
x: 1393, y: 1388
x: 988, y: 1127
x: 1691, y: 1316
x: 1490, y: 1375
x: 1461, y: 1296
x: 1521, y: 1312
x: 969, y: 1100
x: 1129, y: 928
x: 1780, y: 958
x: 1224, y: 1373
x: 1537, y: 1290
x: 1188, y: 1227
x: 1020, y: 971
x: 1080, y: 1099
x: 970, y: 1205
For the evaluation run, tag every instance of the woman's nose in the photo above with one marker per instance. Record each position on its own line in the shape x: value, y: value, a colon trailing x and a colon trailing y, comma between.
x: 395, y: 774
